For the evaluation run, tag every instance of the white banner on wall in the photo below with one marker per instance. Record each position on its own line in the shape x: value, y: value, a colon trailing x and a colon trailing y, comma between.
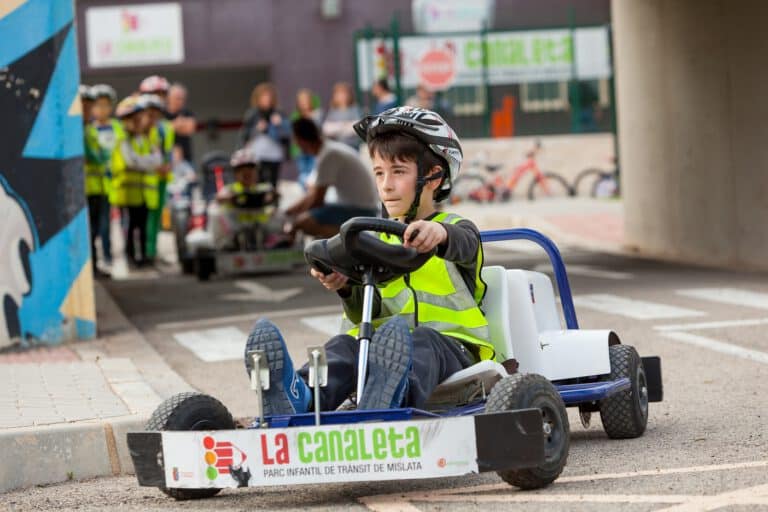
x: 513, y: 57
x: 131, y: 35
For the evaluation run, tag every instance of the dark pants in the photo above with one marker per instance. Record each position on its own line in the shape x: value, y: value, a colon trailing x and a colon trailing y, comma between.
x: 269, y: 172
x: 95, y: 204
x: 104, y: 230
x: 136, y: 237
x: 435, y: 358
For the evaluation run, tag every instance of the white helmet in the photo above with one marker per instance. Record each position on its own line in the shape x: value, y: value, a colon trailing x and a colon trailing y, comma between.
x: 426, y: 126
x: 243, y: 157
x: 104, y: 91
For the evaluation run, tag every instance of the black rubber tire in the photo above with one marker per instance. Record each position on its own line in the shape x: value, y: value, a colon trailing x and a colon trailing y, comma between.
x: 187, y: 266
x: 625, y: 414
x: 524, y: 391
x: 204, y: 267
x: 579, y: 188
x: 463, y: 186
x: 190, y: 411
x: 557, y: 184
x: 605, y: 182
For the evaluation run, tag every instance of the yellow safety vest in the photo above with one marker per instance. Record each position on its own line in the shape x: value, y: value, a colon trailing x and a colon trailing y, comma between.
x: 249, y: 215
x: 163, y: 136
x: 128, y: 185
x: 442, y: 298
x: 95, y: 170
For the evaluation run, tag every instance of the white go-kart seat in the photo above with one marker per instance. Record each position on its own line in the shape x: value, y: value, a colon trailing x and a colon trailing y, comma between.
x: 525, y: 325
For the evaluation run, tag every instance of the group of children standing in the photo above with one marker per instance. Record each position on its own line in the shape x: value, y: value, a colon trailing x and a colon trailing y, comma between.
x: 128, y: 153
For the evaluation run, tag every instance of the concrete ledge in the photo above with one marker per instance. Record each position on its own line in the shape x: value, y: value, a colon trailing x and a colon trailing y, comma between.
x: 76, y: 451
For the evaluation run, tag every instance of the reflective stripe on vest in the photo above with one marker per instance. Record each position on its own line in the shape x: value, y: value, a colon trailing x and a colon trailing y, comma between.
x: 128, y: 185
x: 443, y: 299
x: 250, y: 215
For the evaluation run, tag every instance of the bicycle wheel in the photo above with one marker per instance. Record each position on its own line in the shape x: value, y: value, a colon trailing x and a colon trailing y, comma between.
x: 585, y: 181
x: 464, y: 185
x: 605, y: 187
x: 552, y: 186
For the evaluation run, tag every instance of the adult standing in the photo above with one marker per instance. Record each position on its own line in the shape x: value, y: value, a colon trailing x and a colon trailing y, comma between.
x: 266, y: 132
x: 184, y: 122
x: 343, y: 113
x: 308, y: 107
x: 339, y: 166
x: 385, y: 98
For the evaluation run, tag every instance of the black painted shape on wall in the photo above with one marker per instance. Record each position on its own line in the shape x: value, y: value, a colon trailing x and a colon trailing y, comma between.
x: 41, y: 183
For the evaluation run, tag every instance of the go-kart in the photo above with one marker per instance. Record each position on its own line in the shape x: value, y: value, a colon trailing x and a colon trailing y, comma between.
x: 257, y: 246
x: 507, y: 415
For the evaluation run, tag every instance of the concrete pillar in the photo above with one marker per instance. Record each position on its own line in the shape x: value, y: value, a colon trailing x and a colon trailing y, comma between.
x: 46, y: 284
x: 693, y: 128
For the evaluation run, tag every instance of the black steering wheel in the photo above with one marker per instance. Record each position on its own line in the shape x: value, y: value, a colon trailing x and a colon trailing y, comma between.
x: 356, y: 251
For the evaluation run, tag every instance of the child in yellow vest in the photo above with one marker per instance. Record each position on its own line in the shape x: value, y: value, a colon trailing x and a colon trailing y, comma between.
x: 416, y: 157
x: 96, y: 159
x: 244, y: 208
x: 132, y: 160
x: 107, y: 128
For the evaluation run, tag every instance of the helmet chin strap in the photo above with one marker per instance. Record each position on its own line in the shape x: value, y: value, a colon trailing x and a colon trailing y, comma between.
x: 421, y: 180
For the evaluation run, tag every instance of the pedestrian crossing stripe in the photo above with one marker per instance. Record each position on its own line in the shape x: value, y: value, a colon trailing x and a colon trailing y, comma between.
x: 214, y: 345
x: 734, y: 296
x: 632, y: 308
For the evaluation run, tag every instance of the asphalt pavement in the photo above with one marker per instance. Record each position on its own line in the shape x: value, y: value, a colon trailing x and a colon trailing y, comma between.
x: 706, y: 446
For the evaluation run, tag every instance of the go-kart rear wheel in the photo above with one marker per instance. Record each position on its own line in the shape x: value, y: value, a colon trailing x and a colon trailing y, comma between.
x: 625, y: 414
x: 205, y: 265
x: 190, y: 411
x: 524, y: 391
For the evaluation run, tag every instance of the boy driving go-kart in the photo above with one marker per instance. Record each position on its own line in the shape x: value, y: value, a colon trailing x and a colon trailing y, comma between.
x: 423, y: 362
x: 428, y: 322
x: 243, y: 231
x: 242, y: 208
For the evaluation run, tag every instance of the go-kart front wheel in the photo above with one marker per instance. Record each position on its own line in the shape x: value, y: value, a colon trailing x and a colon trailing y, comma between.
x: 625, y: 414
x: 190, y: 411
x: 526, y: 391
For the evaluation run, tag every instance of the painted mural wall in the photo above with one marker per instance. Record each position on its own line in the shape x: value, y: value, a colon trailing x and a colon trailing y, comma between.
x: 46, y: 287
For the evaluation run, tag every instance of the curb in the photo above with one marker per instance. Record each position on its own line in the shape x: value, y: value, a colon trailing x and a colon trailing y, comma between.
x: 58, y: 453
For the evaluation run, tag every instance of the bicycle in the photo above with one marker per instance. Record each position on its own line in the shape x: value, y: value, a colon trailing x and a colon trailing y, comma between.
x: 606, y: 184
x: 477, y: 187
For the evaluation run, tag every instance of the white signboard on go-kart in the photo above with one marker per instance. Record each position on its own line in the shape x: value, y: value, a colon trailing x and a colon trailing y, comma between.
x: 339, y: 453
x: 131, y: 35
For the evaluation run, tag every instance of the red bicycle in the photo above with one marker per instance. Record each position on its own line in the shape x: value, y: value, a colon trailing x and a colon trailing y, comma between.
x: 494, y: 186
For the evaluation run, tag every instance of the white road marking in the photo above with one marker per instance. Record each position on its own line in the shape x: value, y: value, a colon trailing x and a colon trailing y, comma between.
x: 327, y: 324
x: 752, y: 495
x: 587, y: 271
x: 213, y: 345
x: 637, y: 309
x: 717, y: 346
x: 733, y: 296
x: 713, y: 325
x: 247, y: 317
x: 253, y: 291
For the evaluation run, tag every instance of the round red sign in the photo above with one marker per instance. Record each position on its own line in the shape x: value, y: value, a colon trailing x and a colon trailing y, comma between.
x: 437, y: 69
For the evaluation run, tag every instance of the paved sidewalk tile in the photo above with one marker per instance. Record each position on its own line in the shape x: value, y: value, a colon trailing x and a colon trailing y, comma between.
x: 49, y: 393
x: 40, y: 355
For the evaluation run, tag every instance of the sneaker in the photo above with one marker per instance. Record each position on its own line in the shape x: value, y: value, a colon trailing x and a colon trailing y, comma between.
x: 287, y: 393
x: 389, y: 360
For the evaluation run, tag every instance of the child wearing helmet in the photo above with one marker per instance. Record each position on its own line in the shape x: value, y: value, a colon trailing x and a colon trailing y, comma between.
x: 132, y: 160
x: 95, y: 159
x: 243, y: 208
x: 416, y: 157
x: 107, y: 128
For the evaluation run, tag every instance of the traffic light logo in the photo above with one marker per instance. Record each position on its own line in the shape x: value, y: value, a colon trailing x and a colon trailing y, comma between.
x: 221, y: 457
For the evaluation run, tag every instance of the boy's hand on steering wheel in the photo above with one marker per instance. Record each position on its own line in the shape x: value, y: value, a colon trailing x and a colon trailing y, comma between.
x: 424, y: 235
x: 333, y: 281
